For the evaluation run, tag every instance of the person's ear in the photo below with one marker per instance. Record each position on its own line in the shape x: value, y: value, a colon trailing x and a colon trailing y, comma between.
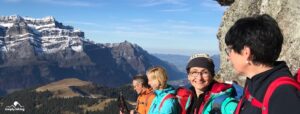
x: 246, y: 52
x: 159, y: 83
x: 189, y: 77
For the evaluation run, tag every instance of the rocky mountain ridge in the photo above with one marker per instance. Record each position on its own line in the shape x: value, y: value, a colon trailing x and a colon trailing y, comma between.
x: 38, y: 51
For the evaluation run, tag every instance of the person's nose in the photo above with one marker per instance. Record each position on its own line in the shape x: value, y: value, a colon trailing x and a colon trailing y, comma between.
x: 199, y: 77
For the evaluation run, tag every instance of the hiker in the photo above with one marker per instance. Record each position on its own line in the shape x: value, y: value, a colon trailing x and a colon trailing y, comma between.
x: 145, y: 93
x: 209, y: 96
x: 253, y: 47
x: 157, y: 79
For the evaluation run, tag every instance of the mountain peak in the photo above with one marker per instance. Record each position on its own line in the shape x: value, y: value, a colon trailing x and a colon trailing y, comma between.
x: 12, y: 18
x: 122, y: 44
x: 127, y: 43
x: 45, y: 35
x: 16, y: 17
x: 49, y: 18
x: 44, y: 19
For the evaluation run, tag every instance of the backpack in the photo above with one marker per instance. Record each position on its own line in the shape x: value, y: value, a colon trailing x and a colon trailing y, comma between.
x: 183, y: 97
x: 264, y: 105
x: 237, y: 95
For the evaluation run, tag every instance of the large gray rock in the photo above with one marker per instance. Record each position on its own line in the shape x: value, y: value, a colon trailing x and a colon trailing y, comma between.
x: 286, y: 13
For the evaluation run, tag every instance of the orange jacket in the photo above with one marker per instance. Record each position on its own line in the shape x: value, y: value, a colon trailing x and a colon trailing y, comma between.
x: 144, y: 101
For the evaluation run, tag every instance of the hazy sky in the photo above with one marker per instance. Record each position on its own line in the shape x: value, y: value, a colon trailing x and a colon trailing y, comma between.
x: 159, y: 26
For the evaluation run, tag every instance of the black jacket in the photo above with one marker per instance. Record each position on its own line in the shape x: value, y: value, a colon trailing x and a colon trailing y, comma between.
x: 197, y: 101
x: 284, y: 100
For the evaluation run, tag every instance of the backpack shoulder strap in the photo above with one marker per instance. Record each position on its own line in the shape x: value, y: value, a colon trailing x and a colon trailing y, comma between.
x: 273, y: 86
x: 251, y: 99
x: 238, y: 108
x: 239, y: 90
x: 298, y: 76
x: 165, y: 98
x: 184, y: 97
x: 216, y: 107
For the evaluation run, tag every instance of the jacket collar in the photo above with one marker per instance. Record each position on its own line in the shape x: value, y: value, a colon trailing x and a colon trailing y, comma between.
x: 147, y: 91
x: 168, y: 89
x: 265, y: 78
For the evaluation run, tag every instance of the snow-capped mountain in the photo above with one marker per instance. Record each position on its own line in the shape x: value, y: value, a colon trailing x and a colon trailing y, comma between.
x: 38, y: 51
x: 47, y: 35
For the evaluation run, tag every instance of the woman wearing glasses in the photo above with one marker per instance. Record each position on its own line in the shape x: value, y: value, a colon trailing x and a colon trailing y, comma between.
x: 209, y: 96
x: 253, y: 47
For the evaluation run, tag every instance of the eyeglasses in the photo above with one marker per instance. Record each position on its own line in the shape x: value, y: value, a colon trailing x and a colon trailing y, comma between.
x: 228, y: 50
x: 204, y: 74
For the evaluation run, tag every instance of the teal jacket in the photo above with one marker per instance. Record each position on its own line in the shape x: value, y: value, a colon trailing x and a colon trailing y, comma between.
x: 170, y: 106
x: 227, y: 106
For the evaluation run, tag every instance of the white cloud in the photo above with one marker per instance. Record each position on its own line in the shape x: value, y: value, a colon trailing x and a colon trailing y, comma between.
x: 140, y: 20
x: 183, y: 34
x: 12, y: 1
x: 81, y: 3
x: 194, y: 28
x: 148, y: 3
x: 187, y: 52
x: 185, y: 26
x: 81, y: 23
x: 163, y: 30
x: 176, y: 10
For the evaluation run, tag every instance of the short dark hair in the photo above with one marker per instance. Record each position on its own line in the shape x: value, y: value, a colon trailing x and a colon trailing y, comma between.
x: 142, y: 78
x: 261, y: 34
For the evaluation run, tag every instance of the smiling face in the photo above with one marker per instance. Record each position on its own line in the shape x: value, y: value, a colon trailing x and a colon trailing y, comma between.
x: 199, y: 77
x: 137, y: 86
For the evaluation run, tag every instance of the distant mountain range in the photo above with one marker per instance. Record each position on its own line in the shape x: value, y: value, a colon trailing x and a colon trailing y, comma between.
x: 180, y: 61
x: 35, y: 52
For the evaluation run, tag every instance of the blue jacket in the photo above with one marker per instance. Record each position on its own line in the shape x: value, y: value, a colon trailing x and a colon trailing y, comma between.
x: 170, y: 106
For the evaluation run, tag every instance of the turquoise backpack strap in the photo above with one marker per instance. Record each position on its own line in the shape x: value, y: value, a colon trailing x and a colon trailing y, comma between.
x: 216, y: 106
x: 239, y: 91
x: 165, y: 98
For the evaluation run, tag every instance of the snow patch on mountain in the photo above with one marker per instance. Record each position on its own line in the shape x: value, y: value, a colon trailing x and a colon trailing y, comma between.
x: 45, y: 34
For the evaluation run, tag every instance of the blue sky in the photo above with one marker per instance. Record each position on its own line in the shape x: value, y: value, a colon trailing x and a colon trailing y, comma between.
x: 159, y: 26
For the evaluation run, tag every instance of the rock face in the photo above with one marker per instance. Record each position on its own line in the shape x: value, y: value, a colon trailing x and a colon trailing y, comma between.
x: 38, y: 51
x: 286, y: 13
